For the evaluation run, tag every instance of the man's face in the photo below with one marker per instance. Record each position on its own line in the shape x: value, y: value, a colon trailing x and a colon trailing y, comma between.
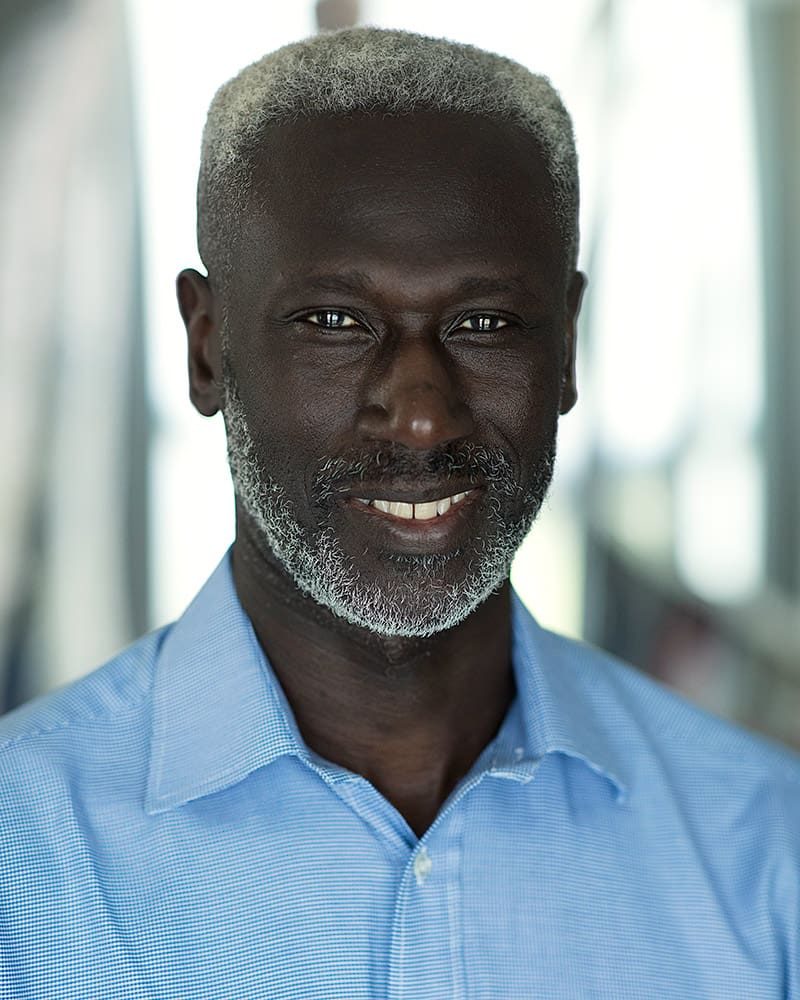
x: 397, y: 329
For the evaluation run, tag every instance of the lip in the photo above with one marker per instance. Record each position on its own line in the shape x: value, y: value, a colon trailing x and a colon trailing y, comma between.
x: 411, y: 494
x: 437, y: 534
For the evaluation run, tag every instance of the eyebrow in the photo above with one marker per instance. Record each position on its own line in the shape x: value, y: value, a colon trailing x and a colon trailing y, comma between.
x: 355, y: 282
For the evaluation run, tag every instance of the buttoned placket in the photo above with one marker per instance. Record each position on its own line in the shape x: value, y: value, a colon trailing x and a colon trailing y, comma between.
x: 430, y: 890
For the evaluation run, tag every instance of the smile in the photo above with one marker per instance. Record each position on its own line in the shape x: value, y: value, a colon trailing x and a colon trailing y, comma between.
x: 433, y: 525
x: 416, y: 511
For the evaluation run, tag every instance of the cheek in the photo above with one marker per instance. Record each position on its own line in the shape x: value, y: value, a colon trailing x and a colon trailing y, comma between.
x: 300, y: 402
x: 518, y: 393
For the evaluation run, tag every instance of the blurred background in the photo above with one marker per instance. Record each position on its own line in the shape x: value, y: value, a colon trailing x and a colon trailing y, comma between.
x: 672, y: 535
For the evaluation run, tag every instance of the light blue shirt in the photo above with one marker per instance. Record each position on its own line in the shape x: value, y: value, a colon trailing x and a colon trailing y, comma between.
x: 166, y: 833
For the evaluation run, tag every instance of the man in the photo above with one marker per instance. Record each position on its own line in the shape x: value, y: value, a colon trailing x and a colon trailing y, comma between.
x: 356, y: 767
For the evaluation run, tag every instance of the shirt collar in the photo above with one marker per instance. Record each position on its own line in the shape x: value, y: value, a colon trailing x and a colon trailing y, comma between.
x: 557, y: 683
x: 219, y: 712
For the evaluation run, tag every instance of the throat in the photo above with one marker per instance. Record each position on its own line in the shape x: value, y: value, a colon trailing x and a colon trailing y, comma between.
x: 419, y: 816
x: 419, y: 806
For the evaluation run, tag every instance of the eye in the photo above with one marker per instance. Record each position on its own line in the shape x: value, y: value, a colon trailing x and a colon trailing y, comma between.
x: 482, y: 323
x: 330, y: 319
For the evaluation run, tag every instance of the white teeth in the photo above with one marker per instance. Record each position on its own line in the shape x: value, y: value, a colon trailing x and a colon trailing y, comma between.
x: 416, y: 511
x: 425, y: 511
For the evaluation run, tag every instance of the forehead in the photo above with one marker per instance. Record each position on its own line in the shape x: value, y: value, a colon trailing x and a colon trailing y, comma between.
x: 416, y: 193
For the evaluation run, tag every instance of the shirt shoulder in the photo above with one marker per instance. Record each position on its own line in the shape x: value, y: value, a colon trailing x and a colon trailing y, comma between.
x: 658, y: 730
x: 107, y: 693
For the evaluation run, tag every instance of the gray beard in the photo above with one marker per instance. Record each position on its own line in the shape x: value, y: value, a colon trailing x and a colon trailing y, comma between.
x: 415, y: 597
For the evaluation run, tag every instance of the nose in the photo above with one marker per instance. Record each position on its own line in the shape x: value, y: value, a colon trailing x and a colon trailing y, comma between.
x: 414, y: 399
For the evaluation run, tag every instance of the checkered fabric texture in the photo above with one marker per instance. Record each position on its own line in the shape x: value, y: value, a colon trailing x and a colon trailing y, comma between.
x: 166, y: 833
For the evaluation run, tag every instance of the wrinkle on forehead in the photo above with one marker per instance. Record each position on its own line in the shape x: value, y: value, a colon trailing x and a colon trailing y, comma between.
x: 426, y: 187
x: 354, y: 161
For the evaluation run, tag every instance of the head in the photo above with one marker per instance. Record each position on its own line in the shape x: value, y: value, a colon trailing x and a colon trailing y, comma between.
x: 389, y: 224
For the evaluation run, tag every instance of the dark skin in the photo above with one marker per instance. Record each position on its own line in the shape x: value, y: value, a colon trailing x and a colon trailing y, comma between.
x: 417, y: 204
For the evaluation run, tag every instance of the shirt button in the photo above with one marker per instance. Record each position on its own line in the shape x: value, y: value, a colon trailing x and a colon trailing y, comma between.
x: 422, y: 865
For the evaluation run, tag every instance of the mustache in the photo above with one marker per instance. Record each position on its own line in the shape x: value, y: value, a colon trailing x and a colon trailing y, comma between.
x: 393, y: 463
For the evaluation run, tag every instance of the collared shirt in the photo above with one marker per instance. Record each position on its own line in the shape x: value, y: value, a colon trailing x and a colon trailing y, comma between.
x: 166, y: 833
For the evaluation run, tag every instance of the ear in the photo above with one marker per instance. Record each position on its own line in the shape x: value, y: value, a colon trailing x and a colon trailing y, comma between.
x: 199, y: 312
x: 569, y: 385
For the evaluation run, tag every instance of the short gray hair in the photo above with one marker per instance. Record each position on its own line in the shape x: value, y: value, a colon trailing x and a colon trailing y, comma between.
x: 366, y: 70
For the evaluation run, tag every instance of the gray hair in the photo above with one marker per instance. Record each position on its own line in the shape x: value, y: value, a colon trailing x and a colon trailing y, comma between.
x: 370, y: 69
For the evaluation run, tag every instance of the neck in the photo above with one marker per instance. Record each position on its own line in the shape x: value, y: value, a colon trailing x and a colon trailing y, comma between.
x: 409, y: 714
